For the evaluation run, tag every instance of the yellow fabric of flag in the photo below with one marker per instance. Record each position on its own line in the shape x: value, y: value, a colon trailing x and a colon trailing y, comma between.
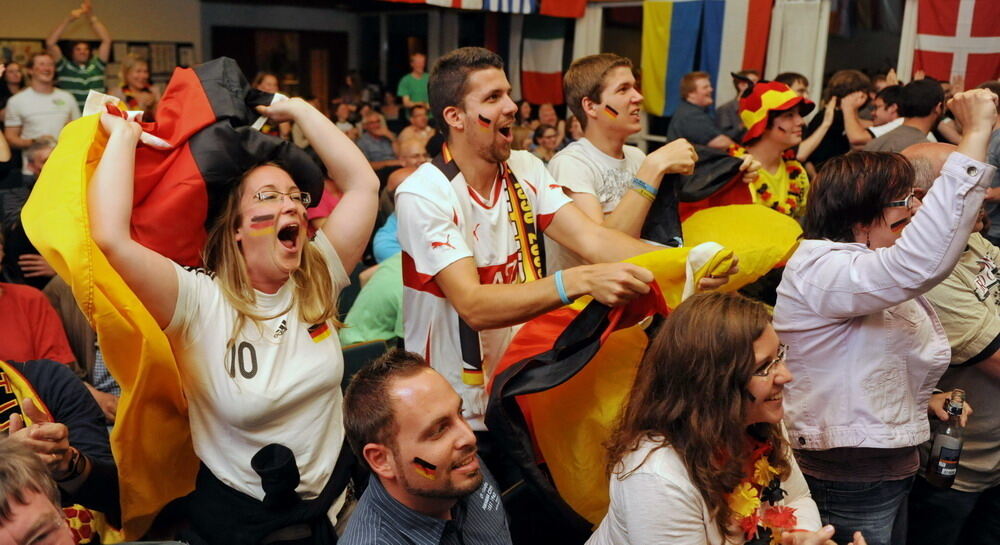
x: 151, y: 440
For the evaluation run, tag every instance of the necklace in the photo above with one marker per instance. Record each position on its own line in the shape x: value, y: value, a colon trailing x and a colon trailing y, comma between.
x: 754, y: 500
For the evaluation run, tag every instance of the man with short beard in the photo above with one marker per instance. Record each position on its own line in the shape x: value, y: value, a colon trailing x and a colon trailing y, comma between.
x: 470, y: 226
x: 428, y: 486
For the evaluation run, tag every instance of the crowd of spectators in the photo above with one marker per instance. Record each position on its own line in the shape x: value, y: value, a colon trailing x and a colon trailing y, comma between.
x: 436, y: 199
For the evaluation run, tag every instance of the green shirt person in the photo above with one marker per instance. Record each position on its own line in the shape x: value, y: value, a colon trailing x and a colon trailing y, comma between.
x: 83, y: 71
x: 412, y: 87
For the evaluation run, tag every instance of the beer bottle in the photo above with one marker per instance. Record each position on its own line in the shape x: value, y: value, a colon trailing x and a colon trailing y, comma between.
x: 943, y: 462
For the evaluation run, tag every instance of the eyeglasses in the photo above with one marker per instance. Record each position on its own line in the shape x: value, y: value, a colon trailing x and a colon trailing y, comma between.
x: 299, y: 197
x: 765, y: 370
x: 908, y: 202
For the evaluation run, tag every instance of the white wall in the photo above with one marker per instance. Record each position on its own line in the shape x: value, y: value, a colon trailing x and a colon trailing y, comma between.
x: 145, y: 20
x: 283, y: 18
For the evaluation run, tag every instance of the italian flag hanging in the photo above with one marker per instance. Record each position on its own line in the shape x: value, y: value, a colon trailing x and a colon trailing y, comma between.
x: 542, y: 59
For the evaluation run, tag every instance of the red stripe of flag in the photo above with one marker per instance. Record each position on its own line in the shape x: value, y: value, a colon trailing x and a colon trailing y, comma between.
x: 758, y: 30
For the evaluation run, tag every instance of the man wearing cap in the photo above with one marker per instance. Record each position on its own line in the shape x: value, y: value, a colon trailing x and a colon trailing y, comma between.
x: 772, y: 114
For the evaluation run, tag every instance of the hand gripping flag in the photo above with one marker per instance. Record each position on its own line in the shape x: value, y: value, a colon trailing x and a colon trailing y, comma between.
x: 559, y: 388
x: 204, y: 115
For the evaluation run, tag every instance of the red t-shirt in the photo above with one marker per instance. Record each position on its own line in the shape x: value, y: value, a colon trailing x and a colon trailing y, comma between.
x: 31, y: 328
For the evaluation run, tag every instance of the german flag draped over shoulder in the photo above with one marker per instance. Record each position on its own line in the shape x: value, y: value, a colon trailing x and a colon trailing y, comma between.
x: 560, y: 386
x: 204, y: 115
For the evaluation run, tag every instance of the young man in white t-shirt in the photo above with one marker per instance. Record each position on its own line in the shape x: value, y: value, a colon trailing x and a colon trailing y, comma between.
x: 470, y: 226
x: 609, y: 181
x: 41, y: 109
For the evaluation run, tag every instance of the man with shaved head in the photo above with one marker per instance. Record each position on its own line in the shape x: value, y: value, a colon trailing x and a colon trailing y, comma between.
x: 968, y: 305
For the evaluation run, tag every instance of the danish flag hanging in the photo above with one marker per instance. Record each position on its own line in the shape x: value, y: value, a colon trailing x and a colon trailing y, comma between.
x: 958, y: 38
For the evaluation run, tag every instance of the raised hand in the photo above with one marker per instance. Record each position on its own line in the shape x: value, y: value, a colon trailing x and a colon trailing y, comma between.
x: 677, y: 157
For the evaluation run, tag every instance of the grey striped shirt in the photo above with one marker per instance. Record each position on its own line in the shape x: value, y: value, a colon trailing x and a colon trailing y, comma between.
x: 479, y: 518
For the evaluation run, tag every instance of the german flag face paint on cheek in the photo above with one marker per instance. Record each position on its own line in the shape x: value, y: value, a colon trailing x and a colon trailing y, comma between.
x: 610, y: 112
x: 484, y: 121
x: 262, y: 225
x: 897, y: 227
x: 424, y: 468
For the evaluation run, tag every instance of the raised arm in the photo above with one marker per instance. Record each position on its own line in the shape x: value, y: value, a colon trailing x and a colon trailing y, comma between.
x: 628, y: 217
x: 809, y: 145
x: 103, y: 50
x: 857, y: 132
x: 350, y: 224
x: 150, y: 275
x: 931, y: 245
x: 52, y: 42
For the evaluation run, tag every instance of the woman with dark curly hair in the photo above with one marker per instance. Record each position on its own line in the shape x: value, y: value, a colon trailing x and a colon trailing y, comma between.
x: 699, y: 455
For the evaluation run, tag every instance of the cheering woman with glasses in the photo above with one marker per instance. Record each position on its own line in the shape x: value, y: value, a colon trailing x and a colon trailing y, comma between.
x: 253, y: 334
x: 698, y: 455
x: 865, y: 346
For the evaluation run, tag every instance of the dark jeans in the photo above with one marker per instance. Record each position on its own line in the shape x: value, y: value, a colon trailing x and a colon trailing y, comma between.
x: 877, y: 509
x: 945, y: 516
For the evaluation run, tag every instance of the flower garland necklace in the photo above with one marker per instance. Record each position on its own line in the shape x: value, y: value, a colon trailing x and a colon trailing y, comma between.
x: 753, y: 501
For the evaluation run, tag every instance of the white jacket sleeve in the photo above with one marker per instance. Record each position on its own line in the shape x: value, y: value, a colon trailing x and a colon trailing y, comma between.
x: 844, y: 284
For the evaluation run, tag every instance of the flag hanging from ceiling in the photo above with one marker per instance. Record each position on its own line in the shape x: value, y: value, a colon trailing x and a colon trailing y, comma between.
x: 958, y: 38
x: 542, y: 60
x: 563, y: 8
x: 714, y: 36
x: 511, y: 6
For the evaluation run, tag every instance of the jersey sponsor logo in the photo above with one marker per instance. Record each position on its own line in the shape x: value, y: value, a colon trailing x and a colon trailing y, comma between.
x: 319, y: 332
x: 445, y: 244
x: 987, y: 277
x: 282, y: 328
x: 199, y: 270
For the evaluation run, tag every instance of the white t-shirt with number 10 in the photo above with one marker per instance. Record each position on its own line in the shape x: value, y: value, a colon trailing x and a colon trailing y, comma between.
x: 280, y: 383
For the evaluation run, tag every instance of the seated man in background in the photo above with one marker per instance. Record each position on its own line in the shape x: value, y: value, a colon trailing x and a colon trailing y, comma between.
x: 728, y: 115
x: 21, y: 263
x: 31, y: 328
x: 66, y: 431
x: 404, y: 422
x: 921, y: 104
x: 692, y: 120
x: 378, y: 143
x: 419, y: 126
x: 968, y: 304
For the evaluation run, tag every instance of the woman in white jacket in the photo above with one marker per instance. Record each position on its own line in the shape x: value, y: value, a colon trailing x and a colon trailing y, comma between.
x: 698, y: 456
x: 866, y: 347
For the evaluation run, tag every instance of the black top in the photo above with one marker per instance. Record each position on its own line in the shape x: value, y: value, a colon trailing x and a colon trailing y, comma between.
x: 833, y: 144
x: 71, y: 404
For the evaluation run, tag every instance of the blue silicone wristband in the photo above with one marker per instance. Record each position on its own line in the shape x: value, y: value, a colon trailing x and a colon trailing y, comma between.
x: 643, y: 185
x: 561, y: 289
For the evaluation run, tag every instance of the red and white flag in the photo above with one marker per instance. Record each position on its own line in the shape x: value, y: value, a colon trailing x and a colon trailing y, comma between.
x: 958, y: 38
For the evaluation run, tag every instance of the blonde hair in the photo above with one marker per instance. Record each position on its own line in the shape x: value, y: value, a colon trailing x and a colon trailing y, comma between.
x: 128, y: 63
x: 223, y: 257
x: 22, y: 472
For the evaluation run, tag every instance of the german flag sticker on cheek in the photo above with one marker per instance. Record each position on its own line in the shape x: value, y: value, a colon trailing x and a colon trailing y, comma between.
x: 262, y: 225
x: 426, y: 469
x: 319, y: 332
x: 484, y: 121
x: 612, y: 113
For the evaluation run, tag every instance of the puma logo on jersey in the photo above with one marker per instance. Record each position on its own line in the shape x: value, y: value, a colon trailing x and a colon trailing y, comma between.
x: 446, y: 243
